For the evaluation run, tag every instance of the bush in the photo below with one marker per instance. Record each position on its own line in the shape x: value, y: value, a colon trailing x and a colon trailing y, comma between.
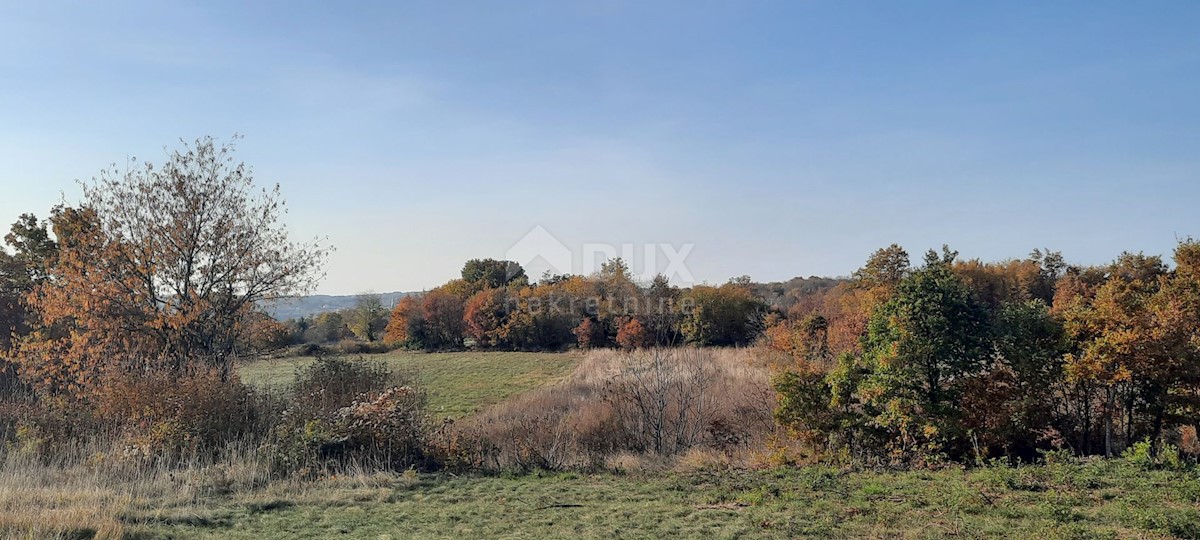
x: 334, y: 382
x: 157, y: 413
x: 1142, y: 454
x: 389, y: 428
x: 350, y: 346
x: 341, y: 412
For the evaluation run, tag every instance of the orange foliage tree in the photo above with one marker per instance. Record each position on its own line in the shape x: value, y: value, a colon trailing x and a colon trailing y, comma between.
x: 633, y: 335
x: 484, y: 315
x: 162, y: 266
x: 405, y: 324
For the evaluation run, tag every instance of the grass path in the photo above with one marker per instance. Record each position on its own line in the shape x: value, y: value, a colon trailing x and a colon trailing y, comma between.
x: 458, y: 383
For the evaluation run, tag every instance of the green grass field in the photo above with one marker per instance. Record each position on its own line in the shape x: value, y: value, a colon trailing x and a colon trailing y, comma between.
x: 1096, y: 500
x: 458, y: 383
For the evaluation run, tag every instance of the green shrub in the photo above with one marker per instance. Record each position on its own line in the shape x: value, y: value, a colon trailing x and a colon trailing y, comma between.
x: 1060, y: 456
x: 1142, y: 454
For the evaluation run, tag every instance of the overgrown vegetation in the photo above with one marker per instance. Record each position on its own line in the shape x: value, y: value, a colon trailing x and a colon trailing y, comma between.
x: 621, y: 408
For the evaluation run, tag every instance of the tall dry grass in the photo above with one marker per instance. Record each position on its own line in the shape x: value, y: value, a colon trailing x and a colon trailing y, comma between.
x: 651, y: 405
x: 96, y: 490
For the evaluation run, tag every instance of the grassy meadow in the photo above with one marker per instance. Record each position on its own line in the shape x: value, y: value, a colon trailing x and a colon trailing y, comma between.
x: 458, y: 383
x: 1087, y: 500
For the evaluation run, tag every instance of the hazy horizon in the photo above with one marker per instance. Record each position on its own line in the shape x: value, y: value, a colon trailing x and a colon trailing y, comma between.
x: 779, y: 139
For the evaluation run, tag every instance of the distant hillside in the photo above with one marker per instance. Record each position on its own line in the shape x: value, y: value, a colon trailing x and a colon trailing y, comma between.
x: 307, y: 306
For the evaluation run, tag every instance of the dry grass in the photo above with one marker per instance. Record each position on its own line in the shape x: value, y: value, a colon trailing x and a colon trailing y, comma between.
x: 701, y: 498
x: 37, y: 504
x: 93, y: 494
x: 627, y: 410
x: 99, y: 491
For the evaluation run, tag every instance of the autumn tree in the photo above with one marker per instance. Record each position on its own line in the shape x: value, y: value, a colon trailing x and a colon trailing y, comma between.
x: 1138, y: 345
x: 848, y: 306
x: 544, y: 316
x: 1174, y: 368
x: 327, y: 327
x: 160, y: 265
x: 432, y: 321
x: 886, y: 267
x: 632, y: 334
x: 589, y: 334
x: 1110, y: 327
x: 804, y: 394
x: 406, y: 325
x: 442, y: 318
x: 485, y: 315
x: 1014, y: 280
x: 264, y: 334
x: 662, y: 311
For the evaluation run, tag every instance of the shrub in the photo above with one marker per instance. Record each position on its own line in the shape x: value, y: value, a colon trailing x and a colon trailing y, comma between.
x: 665, y: 400
x: 1189, y: 442
x: 333, y: 382
x: 389, y: 427
x: 1142, y: 454
x: 157, y: 413
x: 351, y: 346
x: 534, y: 431
x: 343, y: 411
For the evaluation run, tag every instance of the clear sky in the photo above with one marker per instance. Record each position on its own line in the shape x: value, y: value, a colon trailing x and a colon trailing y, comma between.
x: 778, y: 138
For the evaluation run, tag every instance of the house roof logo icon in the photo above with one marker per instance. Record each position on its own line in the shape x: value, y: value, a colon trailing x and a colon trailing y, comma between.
x: 539, y: 252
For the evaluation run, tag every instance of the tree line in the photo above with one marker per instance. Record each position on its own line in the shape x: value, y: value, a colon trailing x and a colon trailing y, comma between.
x: 963, y: 359
x: 494, y: 306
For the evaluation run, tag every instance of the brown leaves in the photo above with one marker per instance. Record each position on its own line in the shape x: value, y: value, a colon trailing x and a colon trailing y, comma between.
x: 162, y: 266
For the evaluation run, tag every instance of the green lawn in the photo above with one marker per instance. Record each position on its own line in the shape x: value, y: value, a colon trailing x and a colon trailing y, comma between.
x: 458, y: 383
x: 1100, y: 500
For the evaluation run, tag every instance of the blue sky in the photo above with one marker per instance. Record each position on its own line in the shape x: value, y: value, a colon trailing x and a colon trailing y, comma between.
x: 779, y: 138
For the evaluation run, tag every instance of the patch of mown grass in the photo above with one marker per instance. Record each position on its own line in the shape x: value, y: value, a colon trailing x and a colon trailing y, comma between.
x: 458, y: 383
x: 785, y: 503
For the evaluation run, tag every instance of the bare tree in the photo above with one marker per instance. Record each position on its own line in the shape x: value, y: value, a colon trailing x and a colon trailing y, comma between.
x: 665, y: 398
